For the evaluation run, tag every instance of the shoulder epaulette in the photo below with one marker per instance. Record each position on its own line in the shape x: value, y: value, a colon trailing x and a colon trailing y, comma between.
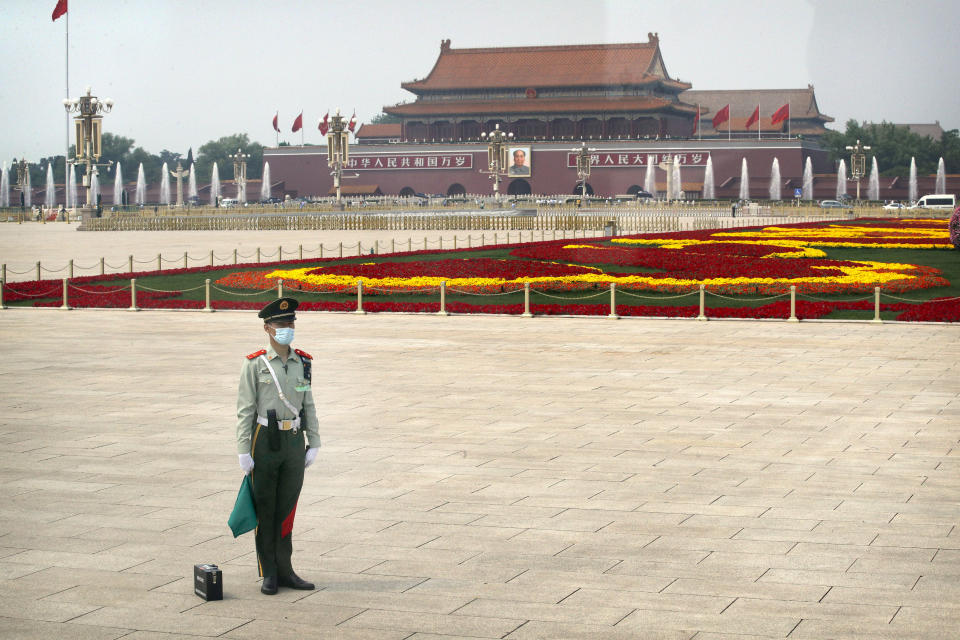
x: 303, y: 353
x: 256, y: 354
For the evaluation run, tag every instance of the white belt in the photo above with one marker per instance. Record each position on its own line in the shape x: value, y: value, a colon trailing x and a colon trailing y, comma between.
x: 284, y: 425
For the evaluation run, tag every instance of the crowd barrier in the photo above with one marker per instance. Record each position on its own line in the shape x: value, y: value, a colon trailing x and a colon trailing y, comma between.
x: 441, y: 291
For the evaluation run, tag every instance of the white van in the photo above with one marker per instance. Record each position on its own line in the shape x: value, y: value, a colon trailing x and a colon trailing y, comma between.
x: 946, y: 201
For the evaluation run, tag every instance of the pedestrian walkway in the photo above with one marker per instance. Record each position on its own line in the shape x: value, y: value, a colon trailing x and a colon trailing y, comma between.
x: 491, y: 477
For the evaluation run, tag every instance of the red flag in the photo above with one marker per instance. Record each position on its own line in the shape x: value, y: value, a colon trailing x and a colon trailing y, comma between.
x: 353, y: 121
x: 275, y: 127
x: 60, y: 9
x: 722, y: 116
x: 755, y: 117
x: 298, y: 123
x: 696, y: 121
x: 324, y: 126
x: 781, y: 114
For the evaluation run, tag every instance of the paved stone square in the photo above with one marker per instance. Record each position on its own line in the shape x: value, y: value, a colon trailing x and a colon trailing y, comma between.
x: 492, y: 477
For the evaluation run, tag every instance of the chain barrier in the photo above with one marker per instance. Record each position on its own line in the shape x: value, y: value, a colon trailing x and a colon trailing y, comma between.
x: 404, y: 292
x: 55, y: 270
x: 141, y: 287
x: 20, y: 273
x: 719, y: 295
x: 93, y: 266
x: 473, y: 293
x: 33, y: 295
x: 110, y: 266
x: 594, y: 295
x: 892, y: 297
x: 234, y: 293
x: 815, y: 299
x: 81, y: 290
x: 638, y: 296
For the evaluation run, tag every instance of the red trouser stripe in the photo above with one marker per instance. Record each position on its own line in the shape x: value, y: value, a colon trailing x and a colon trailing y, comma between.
x: 287, y: 525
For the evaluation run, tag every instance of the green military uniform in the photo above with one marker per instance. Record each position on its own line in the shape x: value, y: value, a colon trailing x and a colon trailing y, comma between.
x: 276, y: 445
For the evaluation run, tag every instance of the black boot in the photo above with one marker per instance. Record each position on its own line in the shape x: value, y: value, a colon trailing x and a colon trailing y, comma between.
x: 269, y: 586
x: 294, y: 581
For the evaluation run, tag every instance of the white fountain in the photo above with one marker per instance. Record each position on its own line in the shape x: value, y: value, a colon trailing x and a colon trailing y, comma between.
x: 51, y: 196
x: 744, y: 181
x: 214, y: 184
x: 265, y: 191
x: 165, y: 185
x: 677, y: 181
x: 941, y: 177
x: 808, y: 180
x: 4, y: 186
x: 912, y: 193
x: 775, y: 179
x: 94, y: 188
x: 873, y: 187
x: 118, y: 186
x: 72, y: 187
x: 650, y: 180
x: 841, y: 180
x: 242, y: 192
x: 708, y: 191
x: 141, y: 195
x: 192, y: 184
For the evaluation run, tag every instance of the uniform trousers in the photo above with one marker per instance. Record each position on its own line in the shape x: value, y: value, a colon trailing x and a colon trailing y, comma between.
x: 277, y: 478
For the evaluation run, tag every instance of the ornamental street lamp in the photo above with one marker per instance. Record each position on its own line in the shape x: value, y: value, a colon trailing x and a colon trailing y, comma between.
x: 858, y: 163
x: 239, y: 174
x: 583, y: 167
x: 338, y: 149
x: 89, y: 127
x: 23, y: 180
x: 496, y: 156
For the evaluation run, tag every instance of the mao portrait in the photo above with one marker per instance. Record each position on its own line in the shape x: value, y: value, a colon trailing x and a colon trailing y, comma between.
x: 520, y: 164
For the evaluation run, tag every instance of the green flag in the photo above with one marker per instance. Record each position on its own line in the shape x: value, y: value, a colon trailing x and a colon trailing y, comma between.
x: 243, y: 518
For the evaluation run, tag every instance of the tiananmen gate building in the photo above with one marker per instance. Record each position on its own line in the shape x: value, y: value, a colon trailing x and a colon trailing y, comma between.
x: 617, y: 98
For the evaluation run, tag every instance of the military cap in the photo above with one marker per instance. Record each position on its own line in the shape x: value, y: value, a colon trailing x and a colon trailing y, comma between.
x: 280, y: 310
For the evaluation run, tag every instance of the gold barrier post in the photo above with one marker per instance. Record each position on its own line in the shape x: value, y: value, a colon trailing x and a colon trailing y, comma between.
x: 159, y: 262
x: 526, y: 301
x: 38, y: 270
x: 360, y: 298
x: 443, y: 299
x: 613, y: 301
x: 130, y: 263
x: 207, y: 306
x: 3, y: 285
x: 876, y: 306
x: 235, y: 257
x: 702, y: 316
x: 184, y: 259
x: 211, y: 257
x: 70, y: 271
x: 793, y: 304
x: 102, y: 265
x: 65, y: 306
x: 133, y: 295
x: 280, y: 288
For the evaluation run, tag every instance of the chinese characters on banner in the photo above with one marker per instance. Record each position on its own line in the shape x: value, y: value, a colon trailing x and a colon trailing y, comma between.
x: 639, y: 158
x: 411, y: 161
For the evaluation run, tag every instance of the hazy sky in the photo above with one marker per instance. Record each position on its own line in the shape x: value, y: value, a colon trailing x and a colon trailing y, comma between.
x: 183, y: 72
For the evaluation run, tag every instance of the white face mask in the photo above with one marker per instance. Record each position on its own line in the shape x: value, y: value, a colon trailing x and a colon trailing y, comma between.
x: 284, y: 335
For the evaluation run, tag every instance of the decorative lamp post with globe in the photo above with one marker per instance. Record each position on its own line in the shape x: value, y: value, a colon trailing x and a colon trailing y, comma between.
x: 338, y: 149
x: 89, y: 128
x: 240, y: 174
x: 858, y: 163
x: 496, y: 156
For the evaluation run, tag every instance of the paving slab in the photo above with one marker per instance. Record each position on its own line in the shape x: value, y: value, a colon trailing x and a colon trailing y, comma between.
x: 488, y: 476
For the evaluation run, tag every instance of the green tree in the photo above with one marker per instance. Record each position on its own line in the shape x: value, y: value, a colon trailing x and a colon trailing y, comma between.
x: 220, y: 150
x: 385, y: 118
x: 894, y: 146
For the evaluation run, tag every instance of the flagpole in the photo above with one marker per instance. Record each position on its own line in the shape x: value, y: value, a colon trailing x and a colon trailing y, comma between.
x: 788, y: 119
x: 66, y: 117
x: 699, y: 126
x: 758, y: 121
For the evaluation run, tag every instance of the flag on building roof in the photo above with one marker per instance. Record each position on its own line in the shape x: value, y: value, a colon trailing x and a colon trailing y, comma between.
x: 754, y: 117
x: 353, y: 121
x: 60, y: 9
x: 276, y: 127
x: 298, y: 123
x: 781, y: 114
x: 696, y: 121
x: 722, y: 116
x: 324, y: 126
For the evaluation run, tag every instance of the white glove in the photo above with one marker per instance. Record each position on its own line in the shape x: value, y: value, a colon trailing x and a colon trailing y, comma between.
x: 246, y: 463
x: 310, y: 457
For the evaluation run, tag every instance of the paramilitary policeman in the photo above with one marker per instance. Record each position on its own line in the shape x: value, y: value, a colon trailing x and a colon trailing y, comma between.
x: 275, y: 414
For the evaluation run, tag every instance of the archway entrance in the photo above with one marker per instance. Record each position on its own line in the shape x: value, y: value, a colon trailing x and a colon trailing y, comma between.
x: 407, y: 192
x: 519, y: 187
x: 634, y: 189
x: 456, y: 189
x: 577, y: 189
